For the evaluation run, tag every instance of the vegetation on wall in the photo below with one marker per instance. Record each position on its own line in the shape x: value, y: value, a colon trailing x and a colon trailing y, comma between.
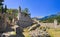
x: 1, y: 5
x: 26, y: 11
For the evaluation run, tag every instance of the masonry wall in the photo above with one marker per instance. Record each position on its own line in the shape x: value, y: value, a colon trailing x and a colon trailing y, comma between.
x: 24, y: 20
x: 50, y: 25
x: 24, y: 23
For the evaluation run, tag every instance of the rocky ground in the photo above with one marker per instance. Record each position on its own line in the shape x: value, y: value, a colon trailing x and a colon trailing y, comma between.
x: 12, y: 33
x: 36, y: 31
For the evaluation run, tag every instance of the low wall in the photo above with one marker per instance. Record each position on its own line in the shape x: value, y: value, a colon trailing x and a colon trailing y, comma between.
x: 51, y: 25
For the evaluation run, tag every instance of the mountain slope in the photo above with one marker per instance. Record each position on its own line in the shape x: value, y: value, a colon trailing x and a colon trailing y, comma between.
x: 50, y: 18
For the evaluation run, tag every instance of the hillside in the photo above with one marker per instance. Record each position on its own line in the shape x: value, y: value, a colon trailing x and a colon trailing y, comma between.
x: 50, y: 18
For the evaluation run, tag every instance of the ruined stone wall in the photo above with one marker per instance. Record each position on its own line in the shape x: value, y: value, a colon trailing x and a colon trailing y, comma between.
x: 24, y: 21
x: 3, y: 22
x: 51, y: 25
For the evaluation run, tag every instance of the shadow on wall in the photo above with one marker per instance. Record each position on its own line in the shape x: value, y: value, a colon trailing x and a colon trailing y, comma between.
x: 19, y: 32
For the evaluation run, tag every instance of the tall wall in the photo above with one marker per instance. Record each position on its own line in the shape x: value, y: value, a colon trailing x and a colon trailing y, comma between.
x: 24, y: 21
x: 3, y: 22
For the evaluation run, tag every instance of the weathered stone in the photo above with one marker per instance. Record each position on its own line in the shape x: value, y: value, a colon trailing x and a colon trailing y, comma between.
x: 19, y: 32
x: 34, y: 27
x: 3, y: 22
x: 13, y: 36
x: 23, y: 21
x: 39, y: 33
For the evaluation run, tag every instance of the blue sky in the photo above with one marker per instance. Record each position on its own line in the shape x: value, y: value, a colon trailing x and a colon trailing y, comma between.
x: 36, y: 7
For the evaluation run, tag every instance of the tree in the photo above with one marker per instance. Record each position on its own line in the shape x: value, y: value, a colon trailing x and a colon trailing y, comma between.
x: 9, y: 11
x: 12, y: 11
x: 1, y: 2
x: 1, y: 5
x: 5, y: 10
x: 15, y: 12
x: 26, y: 11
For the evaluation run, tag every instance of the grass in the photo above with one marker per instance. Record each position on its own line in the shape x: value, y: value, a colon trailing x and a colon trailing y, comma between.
x: 54, y: 32
x: 26, y: 32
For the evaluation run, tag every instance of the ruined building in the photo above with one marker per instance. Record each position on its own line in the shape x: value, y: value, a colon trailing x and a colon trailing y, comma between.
x: 23, y: 19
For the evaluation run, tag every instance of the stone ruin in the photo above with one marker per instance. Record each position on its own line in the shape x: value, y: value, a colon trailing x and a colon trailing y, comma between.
x: 55, y: 24
x: 9, y: 28
x: 3, y: 21
x: 23, y: 19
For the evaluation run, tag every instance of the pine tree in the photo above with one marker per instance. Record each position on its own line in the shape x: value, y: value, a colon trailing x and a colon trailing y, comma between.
x: 1, y: 5
x: 1, y: 2
x: 5, y: 10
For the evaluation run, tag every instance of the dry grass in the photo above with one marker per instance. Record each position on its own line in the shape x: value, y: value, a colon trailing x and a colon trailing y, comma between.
x: 54, y: 32
x: 26, y: 32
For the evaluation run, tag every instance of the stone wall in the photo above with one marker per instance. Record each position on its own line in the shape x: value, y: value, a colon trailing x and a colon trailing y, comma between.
x: 24, y: 23
x: 23, y: 20
x: 51, y: 25
x: 3, y: 22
